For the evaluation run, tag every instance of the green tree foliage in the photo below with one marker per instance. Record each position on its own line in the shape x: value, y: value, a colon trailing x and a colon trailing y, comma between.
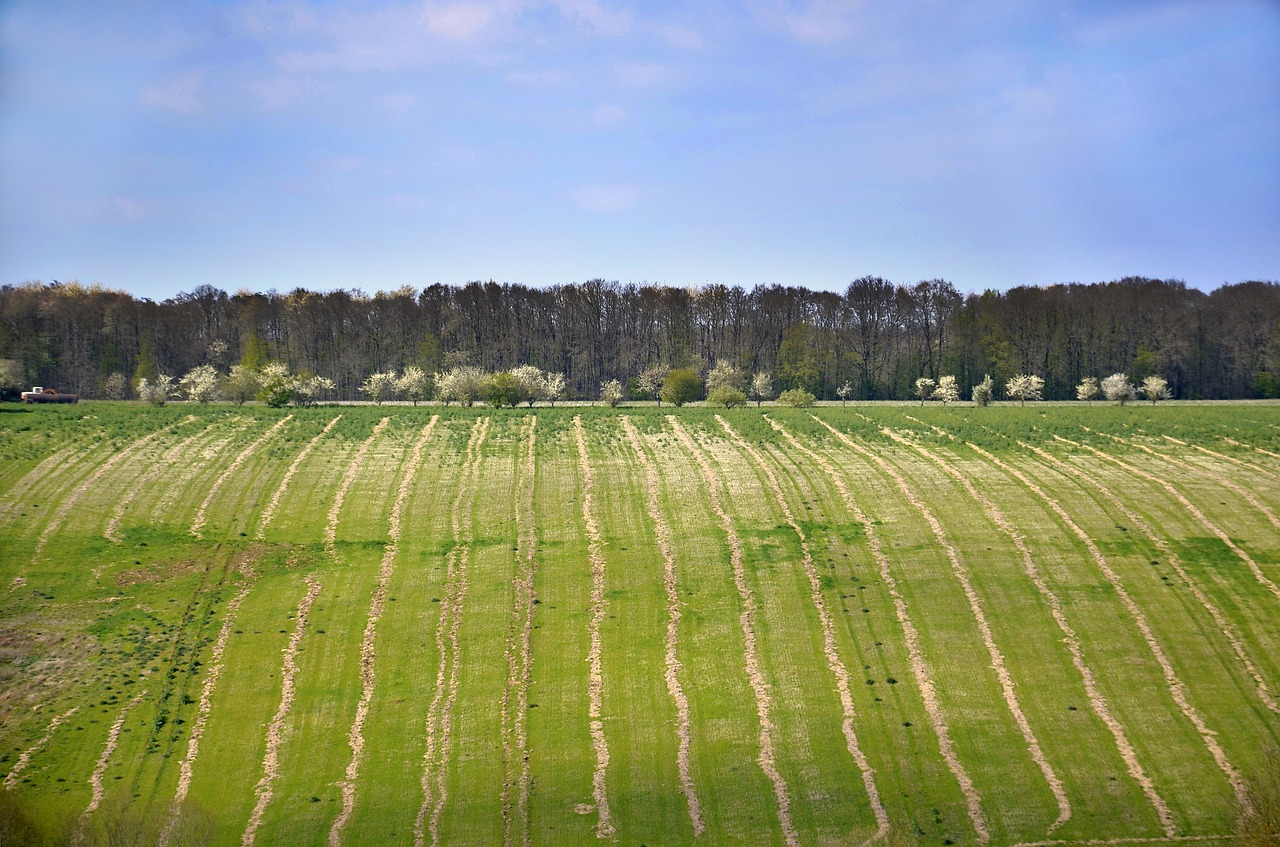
x: 798, y: 359
x: 503, y: 389
x: 681, y: 386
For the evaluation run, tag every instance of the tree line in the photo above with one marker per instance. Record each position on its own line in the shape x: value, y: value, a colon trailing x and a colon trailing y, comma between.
x: 872, y: 341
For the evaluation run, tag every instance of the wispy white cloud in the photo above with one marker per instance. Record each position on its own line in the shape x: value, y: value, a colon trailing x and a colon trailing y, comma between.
x: 814, y: 21
x: 600, y: 17
x: 607, y: 199
x: 459, y: 21
x: 182, y: 95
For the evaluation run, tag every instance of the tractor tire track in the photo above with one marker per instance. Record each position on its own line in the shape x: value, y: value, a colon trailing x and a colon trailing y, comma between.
x: 599, y: 605
x: 11, y: 778
x: 1189, y: 506
x: 348, y: 478
x: 276, y: 729
x: 834, y: 663
x: 1177, y: 689
x: 440, y: 712
x: 1228, y: 630
x: 274, y: 504
x: 961, y: 571
x: 198, y: 523
x: 355, y: 738
x: 666, y: 545
x: 519, y: 649
x: 919, y: 667
x: 759, y: 687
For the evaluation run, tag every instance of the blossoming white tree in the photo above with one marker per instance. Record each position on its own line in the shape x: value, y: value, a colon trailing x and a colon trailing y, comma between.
x: 200, y: 384
x: 1024, y: 387
x: 611, y: 392
x: 1118, y: 388
x: 412, y: 384
x: 1087, y: 389
x: 762, y: 387
x: 379, y: 387
x: 155, y: 391
x: 924, y: 388
x: 947, y: 390
x: 983, y: 391
x: 1155, y: 389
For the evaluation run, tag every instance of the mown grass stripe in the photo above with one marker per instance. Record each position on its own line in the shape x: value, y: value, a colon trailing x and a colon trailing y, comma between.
x: 439, y: 715
x: 519, y: 649
x: 100, y: 769
x: 834, y: 663
x: 11, y: 778
x: 1171, y: 557
x: 368, y: 658
x: 198, y: 522
x: 275, y: 730
x: 270, y: 511
x: 69, y: 502
x: 599, y: 607
x: 919, y: 667
x: 165, y: 465
x: 750, y: 659
x: 353, y: 469
x: 1186, y: 504
x: 662, y: 531
x: 1097, y: 700
x: 1223, y: 456
x: 1177, y: 688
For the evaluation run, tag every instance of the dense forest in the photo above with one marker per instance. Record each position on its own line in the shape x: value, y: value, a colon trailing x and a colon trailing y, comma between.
x: 876, y: 335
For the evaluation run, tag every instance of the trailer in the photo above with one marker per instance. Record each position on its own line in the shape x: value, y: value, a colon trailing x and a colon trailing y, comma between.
x: 40, y: 394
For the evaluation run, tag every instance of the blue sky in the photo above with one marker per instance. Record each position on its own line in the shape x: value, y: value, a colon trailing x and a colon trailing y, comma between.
x: 158, y: 146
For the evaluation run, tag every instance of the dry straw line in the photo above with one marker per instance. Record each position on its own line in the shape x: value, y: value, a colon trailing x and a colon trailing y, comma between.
x: 1177, y: 688
x: 368, y: 658
x: 171, y: 456
x: 595, y: 676
x: 919, y: 667
x: 11, y: 779
x: 666, y: 545
x: 756, y: 677
x: 198, y: 523
x: 1215, y: 454
x: 1228, y: 630
x: 1189, y: 506
x: 519, y: 648
x: 53, y: 466
x: 1116, y: 842
x: 1097, y: 701
x: 202, y: 714
x: 353, y: 470
x: 1251, y: 447
x: 1244, y: 493
x: 96, y: 789
x: 1007, y: 685
x: 270, y: 511
x: 834, y: 663
x: 440, y: 712
x: 276, y: 729
x: 70, y: 501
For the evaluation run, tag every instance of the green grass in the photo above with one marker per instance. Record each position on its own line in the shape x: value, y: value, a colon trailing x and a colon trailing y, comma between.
x: 90, y: 621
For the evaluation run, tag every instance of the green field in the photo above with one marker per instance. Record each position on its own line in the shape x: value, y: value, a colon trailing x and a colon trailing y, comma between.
x: 422, y: 626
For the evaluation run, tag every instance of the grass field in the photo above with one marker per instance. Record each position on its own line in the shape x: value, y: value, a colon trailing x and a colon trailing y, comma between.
x: 427, y: 626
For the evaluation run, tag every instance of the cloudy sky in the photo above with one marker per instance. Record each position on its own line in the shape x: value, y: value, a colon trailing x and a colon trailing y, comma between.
x: 157, y: 146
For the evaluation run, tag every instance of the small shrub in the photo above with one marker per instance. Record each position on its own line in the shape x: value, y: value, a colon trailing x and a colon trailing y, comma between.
x: 796, y: 398
x: 681, y: 386
x: 726, y: 396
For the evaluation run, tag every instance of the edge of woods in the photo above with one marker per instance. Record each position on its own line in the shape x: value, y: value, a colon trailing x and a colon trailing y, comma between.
x: 779, y: 626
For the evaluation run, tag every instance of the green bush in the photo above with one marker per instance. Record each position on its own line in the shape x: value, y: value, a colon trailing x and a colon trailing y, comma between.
x: 681, y: 386
x: 796, y: 397
x: 727, y: 397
